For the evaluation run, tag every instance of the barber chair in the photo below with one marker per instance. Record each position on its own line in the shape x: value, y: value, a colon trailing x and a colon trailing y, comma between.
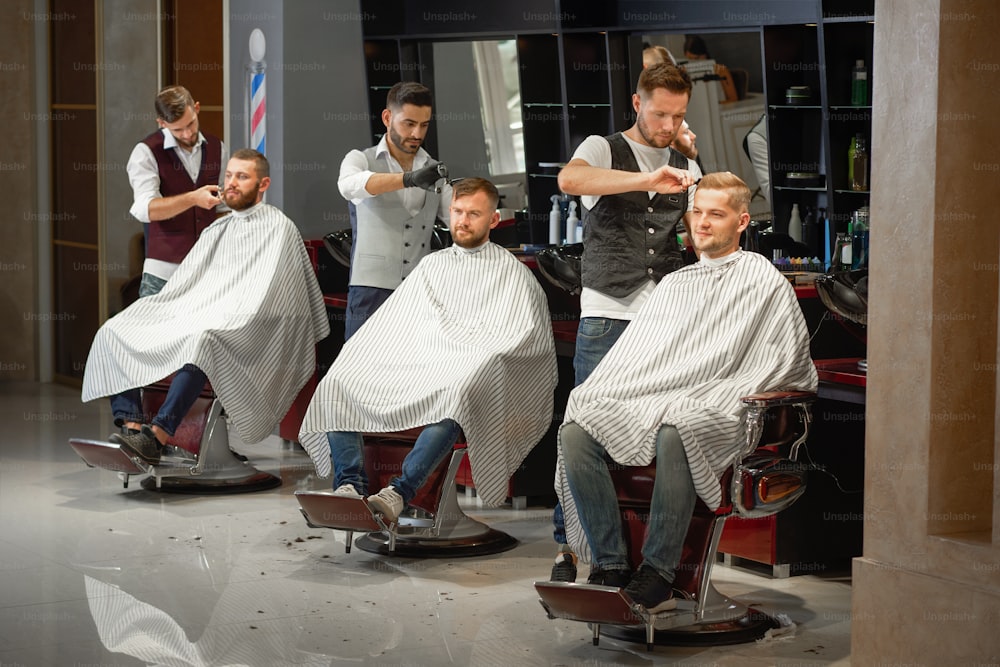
x: 198, y: 460
x: 433, y: 525
x: 561, y: 266
x: 763, y: 480
x: 845, y: 293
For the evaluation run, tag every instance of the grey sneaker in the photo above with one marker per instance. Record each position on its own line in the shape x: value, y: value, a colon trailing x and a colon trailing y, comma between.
x: 143, y: 444
x: 648, y: 589
x: 346, y: 490
x: 388, y: 502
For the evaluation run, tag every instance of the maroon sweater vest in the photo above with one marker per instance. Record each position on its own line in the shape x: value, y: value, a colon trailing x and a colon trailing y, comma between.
x: 170, y: 240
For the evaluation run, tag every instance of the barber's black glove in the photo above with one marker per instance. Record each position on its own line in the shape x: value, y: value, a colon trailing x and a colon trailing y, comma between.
x: 426, y: 177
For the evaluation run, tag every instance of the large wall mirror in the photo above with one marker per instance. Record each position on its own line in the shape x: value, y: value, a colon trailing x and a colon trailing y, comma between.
x: 477, y: 98
x: 722, y: 112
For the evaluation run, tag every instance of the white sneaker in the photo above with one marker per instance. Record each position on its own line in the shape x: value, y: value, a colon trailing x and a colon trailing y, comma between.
x: 346, y: 490
x: 388, y: 502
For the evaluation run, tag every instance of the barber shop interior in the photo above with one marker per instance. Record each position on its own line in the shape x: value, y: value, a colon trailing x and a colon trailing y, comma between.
x: 392, y: 332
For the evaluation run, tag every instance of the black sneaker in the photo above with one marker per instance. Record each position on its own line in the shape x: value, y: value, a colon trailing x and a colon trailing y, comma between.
x: 612, y: 578
x: 651, y: 591
x: 564, y: 568
x: 143, y: 444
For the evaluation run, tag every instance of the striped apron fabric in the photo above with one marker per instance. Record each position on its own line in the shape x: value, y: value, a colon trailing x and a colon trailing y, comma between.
x: 244, y: 306
x: 466, y: 337
x: 707, y: 336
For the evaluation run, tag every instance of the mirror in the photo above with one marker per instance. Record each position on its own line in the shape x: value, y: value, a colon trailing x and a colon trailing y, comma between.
x: 477, y: 97
x: 722, y: 111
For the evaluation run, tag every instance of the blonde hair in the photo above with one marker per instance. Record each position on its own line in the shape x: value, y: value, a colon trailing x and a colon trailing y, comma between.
x: 736, y: 190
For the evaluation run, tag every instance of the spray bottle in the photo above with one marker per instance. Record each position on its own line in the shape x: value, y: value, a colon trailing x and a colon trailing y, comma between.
x: 574, y: 233
x: 555, y: 221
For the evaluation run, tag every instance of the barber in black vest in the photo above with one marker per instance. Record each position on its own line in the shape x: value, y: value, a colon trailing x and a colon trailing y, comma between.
x: 397, y: 191
x: 635, y: 190
x: 176, y: 174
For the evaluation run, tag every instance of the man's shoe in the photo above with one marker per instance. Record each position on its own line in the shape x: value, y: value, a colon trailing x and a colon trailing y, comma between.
x: 650, y: 590
x: 346, y: 490
x: 612, y: 578
x: 564, y: 568
x: 388, y: 502
x: 143, y: 444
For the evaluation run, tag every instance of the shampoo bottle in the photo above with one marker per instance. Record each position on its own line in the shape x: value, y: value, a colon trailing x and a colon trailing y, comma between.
x: 572, y: 225
x: 555, y: 221
x: 795, y: 224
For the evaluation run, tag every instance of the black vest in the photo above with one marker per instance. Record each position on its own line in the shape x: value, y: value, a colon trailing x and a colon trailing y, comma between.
x: 629, y: 238
x: 170, y: 240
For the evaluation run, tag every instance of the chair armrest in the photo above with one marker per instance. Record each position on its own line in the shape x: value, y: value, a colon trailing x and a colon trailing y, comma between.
x: 770, y: 399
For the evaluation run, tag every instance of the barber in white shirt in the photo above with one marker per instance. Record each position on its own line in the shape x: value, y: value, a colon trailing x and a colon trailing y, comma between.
x: 397, y: 191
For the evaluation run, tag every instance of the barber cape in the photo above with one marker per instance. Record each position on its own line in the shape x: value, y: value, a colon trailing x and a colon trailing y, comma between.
x: 709, y: 334
x: 244, y: 306
x: 467, y: 336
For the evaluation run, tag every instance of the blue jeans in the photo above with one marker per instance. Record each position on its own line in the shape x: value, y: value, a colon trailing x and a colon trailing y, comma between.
x: 594, y: 337
x: 597, y: 504
x: 362, y: 302
x: 184, y: 390
x: 432, y: 445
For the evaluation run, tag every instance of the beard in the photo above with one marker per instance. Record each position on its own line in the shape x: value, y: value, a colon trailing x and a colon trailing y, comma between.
x: 648, y: 137
x: 400, y: 143
x: 239, y: 201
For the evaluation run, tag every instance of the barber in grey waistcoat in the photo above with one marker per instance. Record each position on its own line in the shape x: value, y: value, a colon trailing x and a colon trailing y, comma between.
x: 397, y: 191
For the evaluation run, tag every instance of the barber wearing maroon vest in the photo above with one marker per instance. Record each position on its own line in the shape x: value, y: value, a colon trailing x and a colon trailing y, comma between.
x: 175, y: 175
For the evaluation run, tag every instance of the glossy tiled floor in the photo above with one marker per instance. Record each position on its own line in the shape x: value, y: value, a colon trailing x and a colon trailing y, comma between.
x: 91, y: 573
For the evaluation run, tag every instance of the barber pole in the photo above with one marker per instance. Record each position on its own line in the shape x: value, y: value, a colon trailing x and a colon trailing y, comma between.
x: 257, y: 93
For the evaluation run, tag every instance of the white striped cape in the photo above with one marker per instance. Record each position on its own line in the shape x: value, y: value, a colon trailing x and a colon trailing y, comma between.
x: 244, y: 306
x: 467, y: 337
x: 707, y: 336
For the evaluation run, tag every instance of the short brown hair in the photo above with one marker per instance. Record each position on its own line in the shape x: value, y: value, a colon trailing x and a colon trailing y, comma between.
x: 172, y: 102
x: 737, y: 191
x: 408, y: 92
x: 663, y: 75
x: 470, y: 186
x: 260, y: 163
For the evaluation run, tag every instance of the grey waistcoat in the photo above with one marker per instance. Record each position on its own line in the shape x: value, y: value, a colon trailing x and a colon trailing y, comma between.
x: 388, y: 242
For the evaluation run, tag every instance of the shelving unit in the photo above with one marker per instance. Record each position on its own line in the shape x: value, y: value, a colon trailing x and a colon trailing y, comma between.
x: 815, y: 137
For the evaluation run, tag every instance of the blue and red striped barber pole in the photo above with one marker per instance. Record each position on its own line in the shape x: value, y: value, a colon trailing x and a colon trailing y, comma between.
x: 258, y: 111
x: 257, y: 92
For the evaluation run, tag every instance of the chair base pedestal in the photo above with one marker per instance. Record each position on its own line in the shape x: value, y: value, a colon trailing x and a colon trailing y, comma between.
x: 489, y: 541
x: 749, y: 627
x: 246, y: 480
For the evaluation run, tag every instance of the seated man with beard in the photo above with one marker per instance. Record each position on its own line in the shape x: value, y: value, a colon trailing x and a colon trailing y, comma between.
x: 465, y: 343
x: 243, y: 310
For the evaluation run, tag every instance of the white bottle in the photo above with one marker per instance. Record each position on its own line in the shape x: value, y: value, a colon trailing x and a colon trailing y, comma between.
x: 555, y: 221
x: 571, y: 224
x: 795, y: 224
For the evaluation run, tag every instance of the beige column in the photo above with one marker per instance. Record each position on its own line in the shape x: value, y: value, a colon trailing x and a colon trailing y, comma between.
x: 927, y: 589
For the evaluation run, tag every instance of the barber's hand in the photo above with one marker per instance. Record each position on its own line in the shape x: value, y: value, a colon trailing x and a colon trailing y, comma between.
x: 207, y: 196
x: 426, y: 177
x: 667, y: 180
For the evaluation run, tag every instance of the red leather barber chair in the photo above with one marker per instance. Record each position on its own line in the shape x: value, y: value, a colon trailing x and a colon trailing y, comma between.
x: 763, y: 480
x: 433, y: 525
x: 198, y: 460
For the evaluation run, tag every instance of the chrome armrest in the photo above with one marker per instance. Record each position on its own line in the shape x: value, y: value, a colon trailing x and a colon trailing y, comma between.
x: 766, y: 483
x: 759, y: 403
